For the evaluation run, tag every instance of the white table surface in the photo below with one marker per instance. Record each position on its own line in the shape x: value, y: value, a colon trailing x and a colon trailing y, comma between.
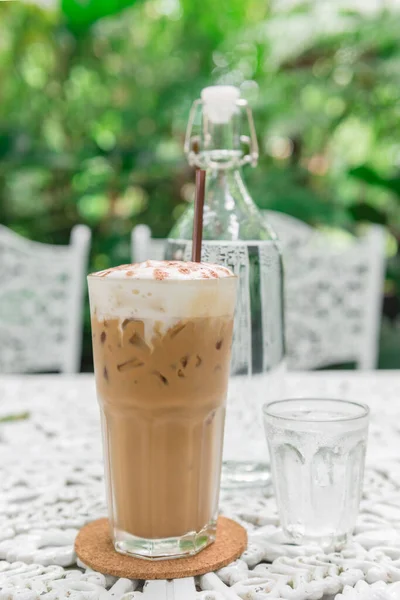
x: 51, y: 484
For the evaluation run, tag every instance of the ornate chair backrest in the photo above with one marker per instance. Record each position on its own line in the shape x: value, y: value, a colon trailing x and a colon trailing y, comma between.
x: 333, y: 293
x: 41, y: 302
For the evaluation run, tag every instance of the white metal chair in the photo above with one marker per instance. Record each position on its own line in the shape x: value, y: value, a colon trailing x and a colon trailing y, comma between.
x: 333, y: 290
x: 333, y: 293
x: 41, y: 302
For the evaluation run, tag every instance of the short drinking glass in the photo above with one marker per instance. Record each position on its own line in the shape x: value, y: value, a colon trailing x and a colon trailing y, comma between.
x: 317, y: 451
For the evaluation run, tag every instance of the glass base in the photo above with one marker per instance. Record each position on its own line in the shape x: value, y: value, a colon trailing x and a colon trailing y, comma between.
x: 328, y: 543
x: 244, y: 474
x: 161, y: 549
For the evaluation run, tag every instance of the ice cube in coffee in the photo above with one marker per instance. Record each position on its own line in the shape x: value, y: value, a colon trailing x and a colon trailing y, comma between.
x: 161, y: 340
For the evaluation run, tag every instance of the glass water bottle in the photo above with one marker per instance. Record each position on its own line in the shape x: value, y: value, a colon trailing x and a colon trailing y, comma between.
x: 236, y: 234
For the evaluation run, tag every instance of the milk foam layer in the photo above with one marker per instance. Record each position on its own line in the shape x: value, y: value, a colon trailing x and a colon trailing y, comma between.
x: 162, y: 291
x: 166, y: 269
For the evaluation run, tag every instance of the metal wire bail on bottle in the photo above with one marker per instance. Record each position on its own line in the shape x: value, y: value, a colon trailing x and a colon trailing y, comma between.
x: 196, y: 145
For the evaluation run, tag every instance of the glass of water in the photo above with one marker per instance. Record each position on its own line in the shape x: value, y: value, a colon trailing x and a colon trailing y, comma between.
x: 317, y: 451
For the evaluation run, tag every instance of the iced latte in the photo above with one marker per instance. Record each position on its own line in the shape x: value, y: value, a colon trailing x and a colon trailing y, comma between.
x: 161, y: 341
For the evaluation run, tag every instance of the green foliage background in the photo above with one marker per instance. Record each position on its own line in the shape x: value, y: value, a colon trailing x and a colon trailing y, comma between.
x: 94, y: 99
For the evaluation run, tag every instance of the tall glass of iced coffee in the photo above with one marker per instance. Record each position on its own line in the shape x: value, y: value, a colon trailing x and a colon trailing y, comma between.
x: 161, y: 341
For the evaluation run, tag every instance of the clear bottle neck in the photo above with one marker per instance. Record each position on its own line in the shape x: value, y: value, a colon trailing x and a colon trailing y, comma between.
x: 221, y: 149
x: 218, y: 142
x: 222, y: 153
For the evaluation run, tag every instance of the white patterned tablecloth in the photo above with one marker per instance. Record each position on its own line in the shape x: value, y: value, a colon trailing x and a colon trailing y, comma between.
x: 51, y: 484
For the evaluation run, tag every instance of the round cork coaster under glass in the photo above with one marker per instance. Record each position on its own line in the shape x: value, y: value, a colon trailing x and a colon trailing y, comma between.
x: 94, y: 547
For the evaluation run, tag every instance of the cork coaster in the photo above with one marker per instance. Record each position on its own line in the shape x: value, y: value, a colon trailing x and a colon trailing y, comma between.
x: 94, y: 547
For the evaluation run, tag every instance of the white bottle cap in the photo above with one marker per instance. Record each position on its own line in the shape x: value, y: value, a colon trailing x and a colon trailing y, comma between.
x: 219, y: 102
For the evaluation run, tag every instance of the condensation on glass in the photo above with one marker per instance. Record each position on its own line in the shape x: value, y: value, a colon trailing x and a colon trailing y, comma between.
x: 317, y: 451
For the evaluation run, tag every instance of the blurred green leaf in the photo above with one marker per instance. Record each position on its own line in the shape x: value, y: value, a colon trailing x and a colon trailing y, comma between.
x: 365, y: 212
x: 6, y: 141
x: 370, y: 176
x: 93, y: 208
x: 367, y: 174
x: 16, y: 417
x: 80, y: 15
